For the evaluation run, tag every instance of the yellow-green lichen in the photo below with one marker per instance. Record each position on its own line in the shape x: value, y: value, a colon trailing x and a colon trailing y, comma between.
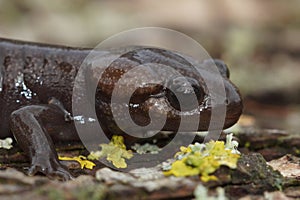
x: 146, y: 148
x: 84, y: 163
x: 204, y: 159
x: 115, y: 152
x: 6, y: 143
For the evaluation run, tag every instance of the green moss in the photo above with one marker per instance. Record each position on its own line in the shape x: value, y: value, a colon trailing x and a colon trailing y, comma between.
x: 247, y: 144
x: 297, y: 151
x: 96, y: 192
x: 52, y: 193
x: 92, y: 192
x: 56, y: 195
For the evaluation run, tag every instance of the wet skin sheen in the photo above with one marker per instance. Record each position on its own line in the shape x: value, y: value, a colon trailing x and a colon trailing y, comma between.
x: 36, y: 84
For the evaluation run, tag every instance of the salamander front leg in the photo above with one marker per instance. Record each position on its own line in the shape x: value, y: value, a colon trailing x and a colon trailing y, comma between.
x: 27, y: 126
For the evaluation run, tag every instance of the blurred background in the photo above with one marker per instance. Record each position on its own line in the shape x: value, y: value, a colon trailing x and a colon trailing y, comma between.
x: 259, y: 40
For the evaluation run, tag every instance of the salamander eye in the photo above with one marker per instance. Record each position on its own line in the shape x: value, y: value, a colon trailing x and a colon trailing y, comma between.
x: 184, y: 89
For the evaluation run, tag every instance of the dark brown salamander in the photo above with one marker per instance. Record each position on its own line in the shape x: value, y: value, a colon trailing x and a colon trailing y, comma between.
x: 36, y: 84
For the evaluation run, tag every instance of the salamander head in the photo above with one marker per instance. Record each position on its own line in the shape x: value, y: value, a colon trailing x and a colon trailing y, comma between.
x: 166, y: 85
x: 183, y: 105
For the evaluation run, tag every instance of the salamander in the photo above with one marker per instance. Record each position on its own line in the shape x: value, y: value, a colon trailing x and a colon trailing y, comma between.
x: 36, y: 85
